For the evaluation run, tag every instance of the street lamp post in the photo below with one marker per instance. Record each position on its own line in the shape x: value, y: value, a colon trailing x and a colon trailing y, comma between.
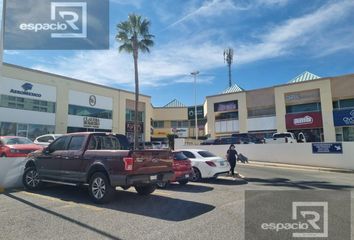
x: 194, y: 74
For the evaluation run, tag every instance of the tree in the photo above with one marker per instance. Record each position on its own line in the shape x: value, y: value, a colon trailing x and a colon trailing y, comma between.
x: 134, y: 35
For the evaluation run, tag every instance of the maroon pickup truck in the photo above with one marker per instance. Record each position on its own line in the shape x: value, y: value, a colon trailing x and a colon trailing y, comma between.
x: 101, y: 160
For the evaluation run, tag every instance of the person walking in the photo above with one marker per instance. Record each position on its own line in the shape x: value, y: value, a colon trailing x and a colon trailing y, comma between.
x: 231, y: 158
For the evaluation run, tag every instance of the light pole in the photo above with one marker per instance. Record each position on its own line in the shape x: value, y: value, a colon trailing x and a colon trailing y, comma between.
x: 195, y: 103
x: 2, y: 35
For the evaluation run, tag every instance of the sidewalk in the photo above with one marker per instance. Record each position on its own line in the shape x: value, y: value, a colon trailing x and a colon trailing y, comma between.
x: 299, y: 167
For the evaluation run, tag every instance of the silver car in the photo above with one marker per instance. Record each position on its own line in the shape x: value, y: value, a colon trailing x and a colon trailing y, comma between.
x: 45, y: 140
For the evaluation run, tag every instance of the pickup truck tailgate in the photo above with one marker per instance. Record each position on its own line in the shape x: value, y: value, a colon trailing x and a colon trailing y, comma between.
x: 152, y: 161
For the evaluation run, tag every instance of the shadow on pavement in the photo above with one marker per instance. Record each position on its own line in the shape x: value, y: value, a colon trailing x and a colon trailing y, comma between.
x: 189, y: 188
x: 225, y: 181
x: 284, y: 182
x: 155, y: 206
x: 98, y: 231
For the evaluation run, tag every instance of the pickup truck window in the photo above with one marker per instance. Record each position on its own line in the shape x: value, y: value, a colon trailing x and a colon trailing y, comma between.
x: 76, y: 142
x: 105, y: 143
x: 59, y: 144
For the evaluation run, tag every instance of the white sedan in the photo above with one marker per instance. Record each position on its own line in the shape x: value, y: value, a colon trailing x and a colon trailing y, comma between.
x: 206, y: 164
x: 45, y: 140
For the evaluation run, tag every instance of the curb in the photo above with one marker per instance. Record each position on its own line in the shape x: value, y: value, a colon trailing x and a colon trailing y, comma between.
x: 300, y: 167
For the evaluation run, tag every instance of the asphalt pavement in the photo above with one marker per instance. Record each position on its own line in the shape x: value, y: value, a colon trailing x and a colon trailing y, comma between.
x: 211, y: 209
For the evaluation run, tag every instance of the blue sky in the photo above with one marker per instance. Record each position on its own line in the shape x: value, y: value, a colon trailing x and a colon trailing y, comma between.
x: 273, y: 40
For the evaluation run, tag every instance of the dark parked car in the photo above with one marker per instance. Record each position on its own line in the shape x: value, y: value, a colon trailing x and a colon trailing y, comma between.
x: 210, y: 141
x: 101, y: 160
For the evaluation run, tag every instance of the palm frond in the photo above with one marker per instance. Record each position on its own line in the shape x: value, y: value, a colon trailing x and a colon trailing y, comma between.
x: 126, y: 48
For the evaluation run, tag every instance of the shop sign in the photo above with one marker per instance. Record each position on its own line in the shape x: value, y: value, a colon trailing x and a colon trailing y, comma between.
x: 225, y: 106
x: 334, y: 148
x: 91, y: 122
x: 304, y: 120
x: 26, y: 90
x: 92, y: 100
x: 129, y: 127
x: 312, y: 95
x: 181, y: 132
x: 161, y: 132
x: 343, y: 117
x: 200, y: 112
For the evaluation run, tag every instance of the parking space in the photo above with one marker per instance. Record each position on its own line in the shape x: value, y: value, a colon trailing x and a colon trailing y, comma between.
x: 211, y: 209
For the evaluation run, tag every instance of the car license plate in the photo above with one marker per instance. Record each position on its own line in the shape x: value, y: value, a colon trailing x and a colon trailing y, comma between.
x: 187, y: 175
x: 222, y: 163
x: 153, y: 177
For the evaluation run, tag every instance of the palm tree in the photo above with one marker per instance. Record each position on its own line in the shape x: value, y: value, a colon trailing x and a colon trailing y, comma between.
x: 135, y: 36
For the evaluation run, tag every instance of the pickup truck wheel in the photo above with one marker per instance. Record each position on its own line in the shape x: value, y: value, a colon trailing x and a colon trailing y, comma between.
x: 146, y: 189
x: 161, y: 184
x: 100, y: 189
x: 183, y: 182
x: 197, y: 176
x: 31, y: 179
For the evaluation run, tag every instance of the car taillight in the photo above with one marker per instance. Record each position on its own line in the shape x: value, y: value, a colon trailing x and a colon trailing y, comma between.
x: 210, y: 163
x: 128, y: 163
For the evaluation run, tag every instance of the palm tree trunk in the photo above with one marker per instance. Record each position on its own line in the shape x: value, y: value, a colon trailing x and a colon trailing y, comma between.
x: 136, y: 119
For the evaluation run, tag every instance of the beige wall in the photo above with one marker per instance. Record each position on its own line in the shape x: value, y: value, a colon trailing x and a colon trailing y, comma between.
x: 324, y: 87
x: 63, y: 86
x: 242, y: 110
x: 170, y: 114
x: 342, y: 87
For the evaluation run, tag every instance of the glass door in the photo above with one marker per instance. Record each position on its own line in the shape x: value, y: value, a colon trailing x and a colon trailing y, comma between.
x: 22, y: 130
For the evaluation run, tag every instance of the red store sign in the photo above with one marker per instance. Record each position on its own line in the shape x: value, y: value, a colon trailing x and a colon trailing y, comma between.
x: 304, y: 120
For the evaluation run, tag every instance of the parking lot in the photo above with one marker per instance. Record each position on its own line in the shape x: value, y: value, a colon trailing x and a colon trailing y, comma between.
x: 211, y: 209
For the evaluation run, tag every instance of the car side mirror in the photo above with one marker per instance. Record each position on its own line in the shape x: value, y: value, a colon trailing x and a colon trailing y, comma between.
x: 46, y: 150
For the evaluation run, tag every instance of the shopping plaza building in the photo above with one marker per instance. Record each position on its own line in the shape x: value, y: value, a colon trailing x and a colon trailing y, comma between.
x: 34, y: 103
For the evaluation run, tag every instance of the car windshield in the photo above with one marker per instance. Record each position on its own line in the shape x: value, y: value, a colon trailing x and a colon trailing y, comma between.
x: 16, y: 140
x: 179, y: 156
x: 206, y: 154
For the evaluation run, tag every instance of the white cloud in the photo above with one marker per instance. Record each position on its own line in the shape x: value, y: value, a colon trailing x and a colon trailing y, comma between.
x: 135, y: 3
x: 172, y: 62
x: 207, y: 9
x: 297, y: 32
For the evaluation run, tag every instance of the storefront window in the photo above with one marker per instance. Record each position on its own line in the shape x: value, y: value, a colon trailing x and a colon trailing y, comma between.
x: 309, y: 107
x: 261, y: 112
x: 345, y: 103
x: 227, y: 116
x: 90, y: 112
x: 25, y: 130
x: 130, y: 115
x: 158, y: 124
x: 348, y: 134
x: 7, y: 101
x: 179, y: 124
x: 80, y: 129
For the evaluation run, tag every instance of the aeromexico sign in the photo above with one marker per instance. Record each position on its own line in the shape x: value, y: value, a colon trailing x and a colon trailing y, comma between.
x: 304, y: 120
x: 343, y: 117
x: 26, y: 90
